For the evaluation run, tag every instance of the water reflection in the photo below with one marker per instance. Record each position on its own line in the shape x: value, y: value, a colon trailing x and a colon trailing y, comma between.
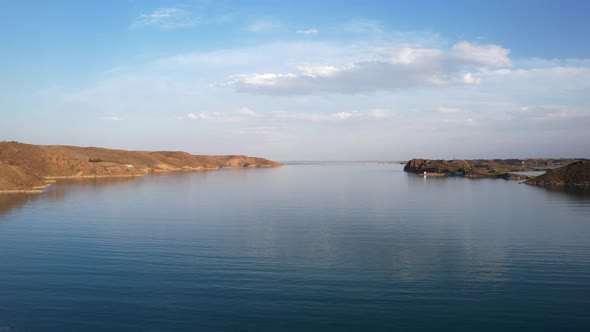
x: 12, y: 201
x: 365, y: 248
x: 59, y: 190
x: 581, y: 192
x: 91, y: 182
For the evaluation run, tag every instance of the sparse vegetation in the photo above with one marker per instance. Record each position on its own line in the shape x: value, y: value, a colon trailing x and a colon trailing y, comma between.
x: 25, y: 166
x: 574, y: 174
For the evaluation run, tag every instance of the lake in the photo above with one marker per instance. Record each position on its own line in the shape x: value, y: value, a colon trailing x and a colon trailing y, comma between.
x: 317, y: 247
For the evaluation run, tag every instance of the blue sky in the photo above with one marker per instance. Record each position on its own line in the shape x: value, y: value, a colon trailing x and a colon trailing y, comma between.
x: 341, y: 80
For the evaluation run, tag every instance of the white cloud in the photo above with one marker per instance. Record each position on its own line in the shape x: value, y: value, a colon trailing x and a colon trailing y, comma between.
x: 111, y: 118
x: 166, y: 18
x: 262, y: 80
x: 319, y: 71
x: 461, y: 54
x: 317, y: 117
x: 246, y: 111
x: 214, y: 117
x: 344, y: 115
x: 276, y: 56
x: 412, y: 77
x: 193, y: 116
x: 469, y: 79
x: 307, y: 32
x: 480, y: 55
x: 398, y: 68
x: 529, y: 63
x: 519, y: 92
x: 551, y: 81
x: 363, y: 77
x: 555, y: 112
x: 443, y: 109
x: 409, y: 55
x: 340, y: 116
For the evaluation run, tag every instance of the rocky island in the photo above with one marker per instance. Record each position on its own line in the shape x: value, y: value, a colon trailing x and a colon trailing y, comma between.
x: 485, y: 168
x: 30, y: 168
x: 574, y: 174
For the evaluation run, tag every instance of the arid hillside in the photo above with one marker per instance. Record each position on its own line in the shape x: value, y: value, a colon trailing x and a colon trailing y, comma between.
x: 25, y: 167
x: 574, y: 174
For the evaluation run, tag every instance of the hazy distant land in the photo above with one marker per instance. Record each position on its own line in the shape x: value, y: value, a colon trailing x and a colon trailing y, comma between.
x: 29, y: 168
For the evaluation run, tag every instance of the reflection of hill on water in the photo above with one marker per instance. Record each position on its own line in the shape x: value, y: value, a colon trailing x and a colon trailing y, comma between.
x: 12, y: 201
x: 59, y: 190
x: 581, y: 192
x: 92, y: 182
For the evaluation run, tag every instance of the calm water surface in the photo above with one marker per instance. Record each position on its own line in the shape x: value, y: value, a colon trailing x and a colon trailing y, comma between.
x: 298, y: 248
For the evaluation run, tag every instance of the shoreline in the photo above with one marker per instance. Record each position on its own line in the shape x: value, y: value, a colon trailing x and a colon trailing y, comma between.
x: 21, y: 191
x: 51, y: 180
x: 28, y: 168
x: 92, y: 176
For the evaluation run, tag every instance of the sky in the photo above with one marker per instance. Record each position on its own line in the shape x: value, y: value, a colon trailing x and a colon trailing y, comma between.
x: 300, y: 80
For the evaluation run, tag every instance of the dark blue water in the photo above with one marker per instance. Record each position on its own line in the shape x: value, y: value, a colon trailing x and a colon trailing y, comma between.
x: 298, y: 248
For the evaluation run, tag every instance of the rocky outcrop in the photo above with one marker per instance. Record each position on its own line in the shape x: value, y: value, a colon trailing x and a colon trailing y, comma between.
x: 482, y: 168
x: 420, y: 166
x: 26, y: 167
x: 574, y: 174
x: 512, y: 176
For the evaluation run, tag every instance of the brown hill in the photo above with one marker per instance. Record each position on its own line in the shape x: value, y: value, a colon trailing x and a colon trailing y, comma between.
x: 25, y: 167
x: 574, y: 174
x: 435, y: 166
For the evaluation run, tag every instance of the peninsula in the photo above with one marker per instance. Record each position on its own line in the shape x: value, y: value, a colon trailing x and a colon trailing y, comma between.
x: 573, y: 175
x: 485, y: 168
x: 30, y: 168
